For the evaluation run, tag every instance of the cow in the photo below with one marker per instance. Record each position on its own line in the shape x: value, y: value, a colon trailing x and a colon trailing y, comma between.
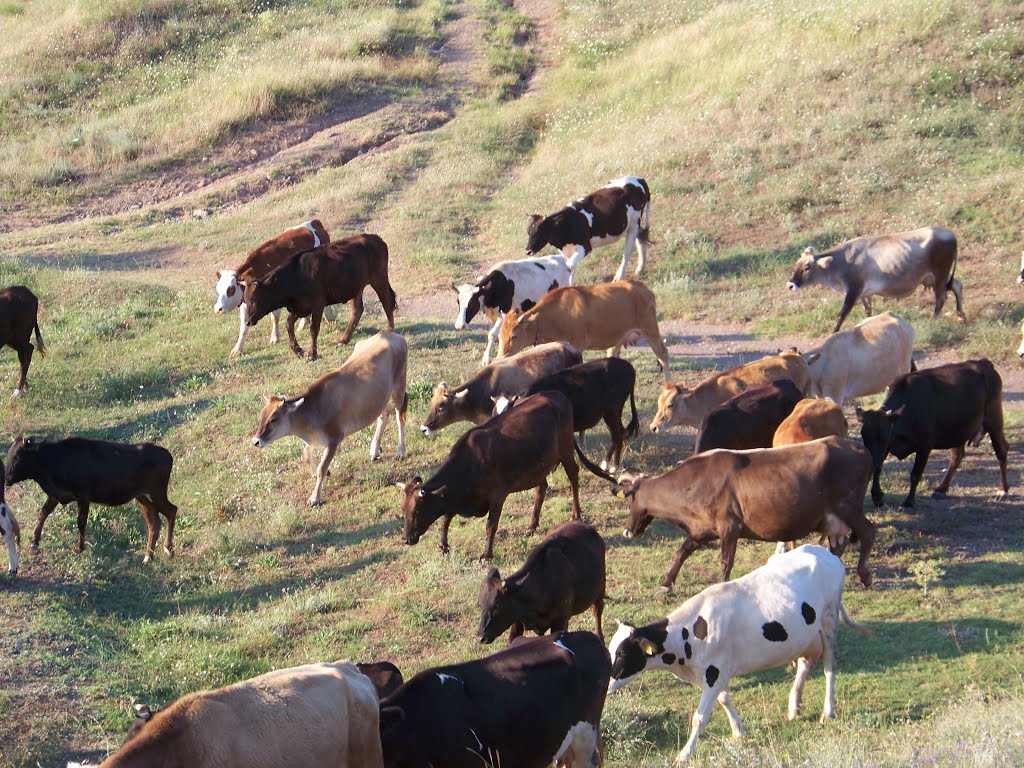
x: 514, y: 451
x: 862, y: 360
x: 1020, y: 277
x: 943, y: 407
x: 317, y: 715
x: 384, y: 675
x: 811, y: 419
x: 19, y: 311
x: 10, y: 531
x: 474, y: 399
x: 563, y: 576
x: 256, y: 266
x: 749, y: 419
x: 579, y: 748
x: 678, y: 404
x: 508, y: 285
x: 332, y: 274
x: 342, y: 402
x: 620, y: 209
x: 885, y: 265
x: 605, y: 316
x: 512, y: 708
x: 787, y: 610
x: 765, y: 494
x: 97, y: 472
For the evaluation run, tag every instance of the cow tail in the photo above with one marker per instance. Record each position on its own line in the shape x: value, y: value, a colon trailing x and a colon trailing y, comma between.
x: 634, y: 425
x: 913, y: 365
x: 952, y: 272
x: 858, y: 628
x: 40, y: 347
x: 594, y: 469
x: 644, y: 235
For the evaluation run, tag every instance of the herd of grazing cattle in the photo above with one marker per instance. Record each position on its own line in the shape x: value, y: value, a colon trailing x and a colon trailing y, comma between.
x: 773, y: 462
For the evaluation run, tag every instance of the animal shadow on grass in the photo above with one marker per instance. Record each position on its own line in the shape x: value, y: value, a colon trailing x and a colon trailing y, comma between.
x: 128, y: 261
x: 422, y: 334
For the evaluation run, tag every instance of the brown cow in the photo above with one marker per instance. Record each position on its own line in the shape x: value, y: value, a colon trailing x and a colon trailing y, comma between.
x: 19, y: 309
x: 604, y: 316
x: 678, y: 404
x: 749, y: 419
x: 811, y: 419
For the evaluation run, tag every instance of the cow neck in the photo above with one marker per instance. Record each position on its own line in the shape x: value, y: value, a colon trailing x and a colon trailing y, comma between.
x: 316, y: 238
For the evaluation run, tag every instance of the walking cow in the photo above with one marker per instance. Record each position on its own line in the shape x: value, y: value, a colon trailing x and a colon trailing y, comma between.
x: 19, y: 309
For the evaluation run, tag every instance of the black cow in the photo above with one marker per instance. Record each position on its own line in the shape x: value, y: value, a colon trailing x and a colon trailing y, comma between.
x: 19, y: 310
x: 95, y: 471
x: 943, y: 407
x: 597, y: 390
x: 332, y: 274
x: 749, y: 419
x: 512, y: 708
x: 562, y: 576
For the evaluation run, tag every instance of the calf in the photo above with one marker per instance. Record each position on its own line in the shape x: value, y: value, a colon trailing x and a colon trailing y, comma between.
x: 97, y: 472
x: 258, y: 264
x: 943, y: 407
x: 9, y: 529
x: 765, y: 494
x: 749, y: 419
x: 332, y: 274
x: 19, y: 310
x: 318, y: 715
x: 508, y: 285
x: 605, y: 316
x: 811, y: 419
x: 887, y: 265
x: 786, y: 611
x: 620, y: 209
x: 678, y: 404
x: 514, y: 451
x: 342, y: 402
x: 474, y: 400
x: 384, y: 675
x: 862, y: 360
x: 509, y: 709
x: 562, y: 576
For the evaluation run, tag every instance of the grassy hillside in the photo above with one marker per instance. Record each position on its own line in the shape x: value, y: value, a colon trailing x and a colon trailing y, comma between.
x: 148, y: 142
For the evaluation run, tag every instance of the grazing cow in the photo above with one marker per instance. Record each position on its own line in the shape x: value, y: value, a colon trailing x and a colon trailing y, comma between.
x: 317, y: 715
x: 678, y: 404
x: 384, y: 675
x: 342, y: 402
x: 887, y: 265
x: 765, y: 494
x: 514, y: 451
x: 9, y: 529
x: 332, y: 274
x: 508, y: 285
x: 605, y: 316
x: 579, y: 748
x: 786, y: 611
x: 512, y: 708
x: 474, y: 400
x: 562, y: 577
x: 862, y: 360
x: 19, y: 310
x: 257, y: 265
x: 811, y: 419
x: 620, y: 209
x: 943, y: 407
x: 749, y: 419
x: 97, y: 472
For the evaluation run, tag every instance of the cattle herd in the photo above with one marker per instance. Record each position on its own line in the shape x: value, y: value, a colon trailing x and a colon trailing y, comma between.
x: 773, y: 462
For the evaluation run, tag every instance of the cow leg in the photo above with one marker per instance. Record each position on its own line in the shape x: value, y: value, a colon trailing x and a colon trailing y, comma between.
x: 993, y: 424
x: 516, y: 630
x: 653, y: 336
x: 916, y: 473
x: 446, y: 523
x: 803, y: 668
x: 400, y: 409
x: 169, y: 511
x: 626, y: 253
x: 493, y: 516
x: 387, y: 300
x: 700, y: 718
x: 377, y: 432
x: 641, y: 249
x: 735, y: 724
x: 316, y: 317
x: 289, y: 326
x: 728, y: 554
x: 877, y: 496
x: 613, y: 351
x: 865, y: 532
x: 44, y: 512
x: 25, y: 359
x: 573, y: 256
x: 956, y: 455
x: 572, y: 471
x: 598, y: 610
x: 685, y: 550
x: 492, y: 338
x: 613, y: 456
x: 868, y: 306
x: 309, y: 456
x: 538, y: 500
x: 848, y: 301
x: 83, y: 518
x: 321, y: 472
x: 958, y: 294
x: 243, y: 329
x: 357, y: 313
x: 275, y: 325
x: 152, y: 527
x: 828, y: 642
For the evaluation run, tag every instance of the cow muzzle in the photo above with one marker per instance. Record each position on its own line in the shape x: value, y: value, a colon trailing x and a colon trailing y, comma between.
x: 792, y: 286
x: 412, y: 540
x: 426, y: 430
x: 259, y: 442
x: 655, y: 428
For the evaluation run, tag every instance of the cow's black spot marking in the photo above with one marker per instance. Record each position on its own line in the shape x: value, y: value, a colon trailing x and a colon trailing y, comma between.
x: 538, y: 264
x: 711, y: 674
x: 775, y: 632
x: 527, y: 304
x: 682, y: 661
x: 657, y: 633
x: 687, y: 650
x: 554, y: 284
x: 686, y: 633
x: 700, y: 628
x: 668, y: 658
x: 808, y: 613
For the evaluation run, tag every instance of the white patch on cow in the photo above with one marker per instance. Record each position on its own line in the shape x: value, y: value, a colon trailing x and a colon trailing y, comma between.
x: 16, y: 393
x: 621, y: 633
x: 7, y: 531
x: 582, y: 740
x: 564, y: 647
x: 229, y: 292
x: 588, y: 214
x: 465, y: 292
x: 500, y: 404
x: 625, y: 181
x: 445, y: 678
x: 316, y: 239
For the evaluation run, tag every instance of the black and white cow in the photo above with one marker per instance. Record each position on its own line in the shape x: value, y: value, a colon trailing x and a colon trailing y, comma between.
x: 620, y: 209
x: 509, y: 285
x: 786, y: 610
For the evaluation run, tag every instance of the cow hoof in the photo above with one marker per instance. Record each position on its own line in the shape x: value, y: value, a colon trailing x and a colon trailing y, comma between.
x: 793, y: 714
x: 168, y: 552
x: 146, y: 559
x: 311, y: 357
x: 236, y: 352
x: 400, y: 455
x: 663, y: 590
x: 299, y: 352
x: 314, y: 501
x: 937, y: 494
x: 374, y: 457
x: 16, y: 393
x: 865, y: 579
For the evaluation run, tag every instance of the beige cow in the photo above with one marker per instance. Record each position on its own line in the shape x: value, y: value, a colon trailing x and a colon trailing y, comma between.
x: 604, y: 316
x: 678, y: 404
x: 811, y: 418
x: 316, y: 716
x: 342, y: 402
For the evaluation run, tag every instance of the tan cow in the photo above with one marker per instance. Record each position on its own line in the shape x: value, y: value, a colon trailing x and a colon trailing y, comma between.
x: 863, y: 360
x: 811, y: 418
x: 316, y: 716
x: 604, y: 316
x: 342, y: 402
x: 678, y: 404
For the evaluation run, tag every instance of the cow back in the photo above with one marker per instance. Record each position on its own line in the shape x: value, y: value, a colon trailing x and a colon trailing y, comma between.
x: 749, y: 419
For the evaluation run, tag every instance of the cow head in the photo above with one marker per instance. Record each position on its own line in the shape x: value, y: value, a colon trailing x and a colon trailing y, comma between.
x: 876, y: 430
x: 385, y: 676
x: 469, y: 304
x: 627, y: 487
x: 395, y: 735
x: 22, y: 460
x: 143, y: 714
x: 275, y: 420
x: 446, y: 407
x: 229, y: 292
x: 810, y: 267
x: 421, y: 507
x: 538, y: 233
x: 672, y: 408
x: 499, y: 607
x: 260, y: 300
x: 632, y: 649
x: 517, y: 333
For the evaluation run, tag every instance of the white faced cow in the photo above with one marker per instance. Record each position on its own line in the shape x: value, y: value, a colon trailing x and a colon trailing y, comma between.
x: 622, y: 209
x: 509, y: 285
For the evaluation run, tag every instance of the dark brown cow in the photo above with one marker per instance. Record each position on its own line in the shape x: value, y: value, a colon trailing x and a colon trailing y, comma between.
x: 19, y: 309
x: 943, y: 407
x: 562, y: 576
x: 385, y: 676
x: 333, y: 274
x: 749, y: 419
x: 766, y: 494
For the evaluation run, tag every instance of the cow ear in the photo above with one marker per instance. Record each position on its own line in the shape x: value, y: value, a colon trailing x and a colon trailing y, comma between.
x: 443, y: 387
x: 824, y: 262
x: 896, y: 412
x: 391, y: 716
x: 218, y: 274
x: 255, y: 283
x: 296, y: 403
x: 494, y: 576
x: 440, y: 492
x: 461, y: 395
x: 455, y: 287
x: 536, y: 218
x: 402, y: 486
x: 859, y: 412
x: 143, y: 711
x: 417, y: 480
x: 811, y: 357
x: 646, y: 646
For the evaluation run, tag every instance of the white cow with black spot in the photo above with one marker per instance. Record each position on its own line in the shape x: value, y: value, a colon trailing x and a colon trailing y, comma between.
x: 10, y: 531
x: 786, y: 610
